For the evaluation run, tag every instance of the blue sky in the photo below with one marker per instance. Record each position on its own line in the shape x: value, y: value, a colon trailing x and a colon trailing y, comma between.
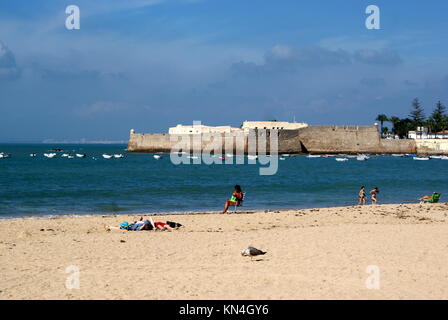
x: 151, y: 64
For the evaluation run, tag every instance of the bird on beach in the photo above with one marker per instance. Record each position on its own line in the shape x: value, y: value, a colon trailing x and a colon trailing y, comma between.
x: 252, y: 252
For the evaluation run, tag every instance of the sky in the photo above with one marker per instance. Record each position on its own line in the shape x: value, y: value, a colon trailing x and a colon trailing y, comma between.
x: 153, y: 64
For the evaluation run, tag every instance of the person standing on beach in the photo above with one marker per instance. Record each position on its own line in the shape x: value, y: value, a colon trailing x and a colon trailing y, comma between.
x: 374, y: 193
x: 362, y: 196
x: 235, y: 199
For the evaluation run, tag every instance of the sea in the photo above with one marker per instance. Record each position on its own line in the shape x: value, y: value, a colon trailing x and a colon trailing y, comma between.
x: 140, y: 184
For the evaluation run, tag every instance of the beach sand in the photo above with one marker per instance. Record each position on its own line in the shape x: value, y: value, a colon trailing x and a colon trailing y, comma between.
x: 312, y: 254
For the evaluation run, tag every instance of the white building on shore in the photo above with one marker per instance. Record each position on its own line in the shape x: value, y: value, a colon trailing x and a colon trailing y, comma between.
x: 200, y: 129
x: 246, y: 126
x: 271, y: 125
x: 423, y: 133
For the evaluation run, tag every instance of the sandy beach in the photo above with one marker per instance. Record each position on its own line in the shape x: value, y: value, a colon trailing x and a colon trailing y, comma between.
x: 312, y: 254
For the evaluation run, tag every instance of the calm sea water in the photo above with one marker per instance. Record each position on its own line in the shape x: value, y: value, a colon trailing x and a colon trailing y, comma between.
x: 140, y: 184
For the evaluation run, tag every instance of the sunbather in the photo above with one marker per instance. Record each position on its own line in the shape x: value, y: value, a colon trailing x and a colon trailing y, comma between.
x: 142, y: 225
x: 430, y: 199
x: 235, y: 199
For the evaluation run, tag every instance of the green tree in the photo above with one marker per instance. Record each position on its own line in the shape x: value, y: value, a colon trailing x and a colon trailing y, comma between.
x: 382, y: 118
x: 437, y: 120
x: 417, y: 113
x: 394, y: 120
x: 402, y: 127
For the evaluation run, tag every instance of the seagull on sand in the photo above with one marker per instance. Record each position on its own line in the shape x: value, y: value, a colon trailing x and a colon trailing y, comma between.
x: 252, y: 252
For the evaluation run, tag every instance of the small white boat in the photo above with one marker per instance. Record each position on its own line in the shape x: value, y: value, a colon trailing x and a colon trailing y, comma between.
x: 282, y: 158
x: 421, y: 158
x: 70, y: 157
x: 50, y: 155
x: 4, y: 155
x: 444, y: 158
x: 228, y: 155
x: 107, y: 156
x: 436, y: 157
x: 362, y: 157
x: 65, y: 155
x: 157, y: 156
x: 398, y: 155
x: 313, y: 156
x: 32, y: 155
x: 80, y: 155
x: 285, y: 155
x: 341, y: 159
x: 252, y: 157
x: 118, y: 156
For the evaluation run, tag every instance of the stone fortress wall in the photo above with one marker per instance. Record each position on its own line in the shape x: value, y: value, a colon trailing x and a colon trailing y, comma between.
x: 311, y: 139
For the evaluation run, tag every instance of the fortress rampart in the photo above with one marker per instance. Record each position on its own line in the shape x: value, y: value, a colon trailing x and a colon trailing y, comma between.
x: 288, y: 142
x: 312, y: 139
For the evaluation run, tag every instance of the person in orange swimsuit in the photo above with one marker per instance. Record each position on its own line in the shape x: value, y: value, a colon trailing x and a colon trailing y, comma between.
x: 235, y: 199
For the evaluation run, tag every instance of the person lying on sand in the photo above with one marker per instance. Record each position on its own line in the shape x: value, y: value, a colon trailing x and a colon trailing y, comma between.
x: 235, y: 199
x: 142, y: 225
x: 426, y: 198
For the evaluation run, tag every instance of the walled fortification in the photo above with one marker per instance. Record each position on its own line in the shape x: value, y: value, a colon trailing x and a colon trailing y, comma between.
x: 351, y: 140
x: 313, y: 139
x: 152, y: 143
x: 432, y: 146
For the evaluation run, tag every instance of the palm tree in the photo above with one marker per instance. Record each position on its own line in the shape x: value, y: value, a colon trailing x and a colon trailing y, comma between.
x: 381, y: 118
x: 394, y: 120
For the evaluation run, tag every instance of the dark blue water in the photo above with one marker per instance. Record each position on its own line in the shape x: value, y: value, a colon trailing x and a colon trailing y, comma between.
x: 140, y: 184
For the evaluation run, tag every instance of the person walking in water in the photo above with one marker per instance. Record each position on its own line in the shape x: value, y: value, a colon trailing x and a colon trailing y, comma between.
x: 362, y: 196
x: 374, y: 192
x: 235, y: 199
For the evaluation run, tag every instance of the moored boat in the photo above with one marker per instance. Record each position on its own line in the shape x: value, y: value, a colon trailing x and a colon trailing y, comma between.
x: 421, y: 158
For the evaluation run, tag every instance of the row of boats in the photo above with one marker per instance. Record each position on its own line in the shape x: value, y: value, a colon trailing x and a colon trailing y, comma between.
x: 364, y: 157
x: 77, y: 155
x: 221, y: 157
x: 420, y: 158
x: 342, y: 158
x: 339, y: 158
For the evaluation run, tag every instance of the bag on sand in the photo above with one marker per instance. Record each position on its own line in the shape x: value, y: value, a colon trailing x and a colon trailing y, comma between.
x: 173, y: 224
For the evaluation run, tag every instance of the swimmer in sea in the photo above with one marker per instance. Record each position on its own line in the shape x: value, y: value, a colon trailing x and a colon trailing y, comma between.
x: 362, y: 196
x: 374, y: 192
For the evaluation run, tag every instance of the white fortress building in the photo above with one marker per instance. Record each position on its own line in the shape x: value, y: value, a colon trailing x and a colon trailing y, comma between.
x: 271, y: 125
x: 200, y: 129
x: 247, y: 125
